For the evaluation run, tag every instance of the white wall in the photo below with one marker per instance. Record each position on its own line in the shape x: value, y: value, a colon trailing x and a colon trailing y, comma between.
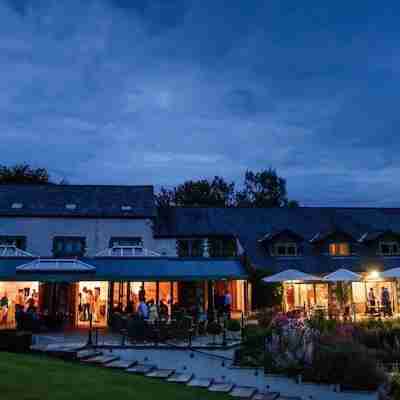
x: 39, y: 232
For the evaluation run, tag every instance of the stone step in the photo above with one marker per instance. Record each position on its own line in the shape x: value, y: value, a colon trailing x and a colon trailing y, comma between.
x: 180, y: 377
x: 243, y: 392
x: 101, y: 359
x: 121, y: 364
x: 201, y: 382
x: 83, y: 354
x: 289, y: 398
x: 221, y: 387
x: 161, y: 373
x: 141, y: 369
x: 267, y: 396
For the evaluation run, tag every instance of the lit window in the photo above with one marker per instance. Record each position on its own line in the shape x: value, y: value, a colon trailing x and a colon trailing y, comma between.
x: 389, y: 248
x: 17, y: 206
x: 285, y: 249
x: 126, y: 208
x: 70, y: 207
x: 339, y: 249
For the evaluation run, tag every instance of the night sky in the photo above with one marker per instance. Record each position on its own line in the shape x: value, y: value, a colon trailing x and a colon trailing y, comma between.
x: 157, y: 91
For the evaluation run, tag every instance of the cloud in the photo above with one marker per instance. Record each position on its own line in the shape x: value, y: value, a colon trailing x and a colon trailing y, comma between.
x: 115, y: 91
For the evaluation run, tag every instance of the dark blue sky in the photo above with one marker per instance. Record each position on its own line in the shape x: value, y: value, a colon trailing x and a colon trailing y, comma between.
x: 157, y: 91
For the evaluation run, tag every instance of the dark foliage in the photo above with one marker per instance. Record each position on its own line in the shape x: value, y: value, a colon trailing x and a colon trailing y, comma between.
x: 261, y: 189
x: 23, y: 174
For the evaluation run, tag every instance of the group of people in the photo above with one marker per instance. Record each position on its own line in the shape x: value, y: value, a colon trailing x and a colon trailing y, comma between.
x: 90, y: 305
x: 385, y: 302
x: 25, y: 301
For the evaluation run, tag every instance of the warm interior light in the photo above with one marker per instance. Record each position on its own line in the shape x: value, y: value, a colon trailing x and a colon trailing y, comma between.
x: 373, y: 275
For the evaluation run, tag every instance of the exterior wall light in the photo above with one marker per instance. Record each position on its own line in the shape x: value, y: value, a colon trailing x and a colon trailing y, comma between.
x: 373, y: 275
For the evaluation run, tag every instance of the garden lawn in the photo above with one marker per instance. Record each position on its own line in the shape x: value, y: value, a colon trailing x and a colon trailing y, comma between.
x: 31, y: 377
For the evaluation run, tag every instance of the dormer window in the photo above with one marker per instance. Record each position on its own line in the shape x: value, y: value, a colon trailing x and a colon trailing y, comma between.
x: 339, y: 249
x: 70, y: 206
x: 288, y: 249
x: 17, y: 206
x: 389, y: 248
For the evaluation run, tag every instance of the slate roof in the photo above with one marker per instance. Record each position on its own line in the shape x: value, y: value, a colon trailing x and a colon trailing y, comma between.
x: 90, y: 200
x: 249, y: 225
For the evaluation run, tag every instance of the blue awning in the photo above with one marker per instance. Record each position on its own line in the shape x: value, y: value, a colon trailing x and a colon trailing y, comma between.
x: 129, y: 269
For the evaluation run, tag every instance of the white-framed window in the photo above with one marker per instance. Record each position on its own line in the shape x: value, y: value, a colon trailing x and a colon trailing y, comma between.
x: 389, y: 248
x: 285, y: 249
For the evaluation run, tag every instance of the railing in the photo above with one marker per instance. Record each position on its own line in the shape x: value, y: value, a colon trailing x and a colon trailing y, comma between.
x: 13, y: 251
x: 127, y: 251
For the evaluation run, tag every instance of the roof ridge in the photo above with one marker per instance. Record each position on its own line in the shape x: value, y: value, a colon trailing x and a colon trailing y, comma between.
x: 71, y: 185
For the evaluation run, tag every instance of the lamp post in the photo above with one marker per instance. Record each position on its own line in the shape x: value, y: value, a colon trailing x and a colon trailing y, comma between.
x: 90, y: 339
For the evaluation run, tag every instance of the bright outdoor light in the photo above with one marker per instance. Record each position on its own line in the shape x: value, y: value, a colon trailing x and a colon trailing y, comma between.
x: 373, y: 275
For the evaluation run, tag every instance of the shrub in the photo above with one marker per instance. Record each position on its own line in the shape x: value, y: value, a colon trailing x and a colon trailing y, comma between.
x: 254, y: 336
x: 347, y: 364
x: 265, y: 316
x: 394, y: 386
x: 233, y: 325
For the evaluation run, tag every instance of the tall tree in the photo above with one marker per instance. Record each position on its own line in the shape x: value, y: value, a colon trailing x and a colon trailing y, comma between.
x: 22, y: 174
x: 264, y: 189
x: 200, y: 193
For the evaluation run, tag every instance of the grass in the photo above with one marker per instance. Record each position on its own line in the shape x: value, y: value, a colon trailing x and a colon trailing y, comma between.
x: 31, y: 377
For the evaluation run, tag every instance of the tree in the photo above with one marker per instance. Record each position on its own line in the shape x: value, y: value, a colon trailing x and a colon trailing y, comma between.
x: 264, y: 189
x: 200, y: 193
x: 22, y: 174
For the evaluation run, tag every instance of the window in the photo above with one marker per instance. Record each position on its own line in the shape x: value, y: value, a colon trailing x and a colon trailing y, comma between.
x: 339, y: 249
x: 69, y: 246
x: 126, y: 241
x: 222, y: 247
x: 285, y: 249
x: 190, y: 247
x: 389, y: 248
x: 17, y: 241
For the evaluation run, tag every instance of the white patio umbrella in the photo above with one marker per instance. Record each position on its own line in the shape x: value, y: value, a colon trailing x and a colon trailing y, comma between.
x: 290, y: 275
x: 391, y: 273
x: 343, y: 275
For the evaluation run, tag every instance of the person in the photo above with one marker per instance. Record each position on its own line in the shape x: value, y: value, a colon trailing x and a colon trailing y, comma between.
x: 31, y: 305
x: 227, y: 304
x: 129, y: 307
x: 142, y: 294
x: 163, y: 310
x: 371, y: 300
x: 153, y: 311
x: 19, y: 299
x: 86, y: 304
x: 4, y: 309
x: 35, y: 297
x: 385, y: 299
x: 143, y: 310
x: 96, y: 305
